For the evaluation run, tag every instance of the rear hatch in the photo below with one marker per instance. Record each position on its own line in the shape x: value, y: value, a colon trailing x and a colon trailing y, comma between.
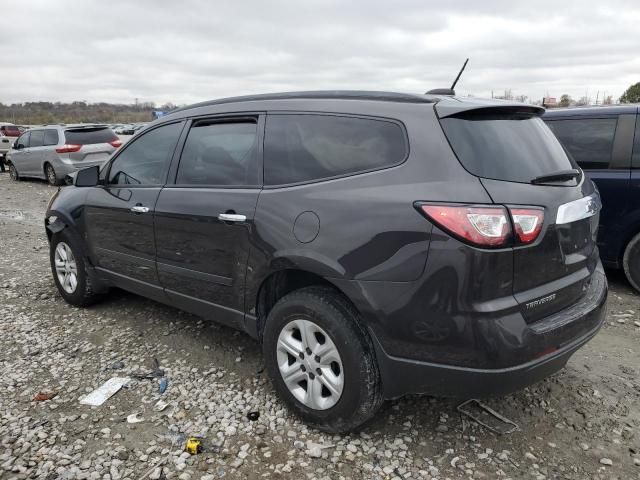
x: 89, y: 144
x: 521, y: 164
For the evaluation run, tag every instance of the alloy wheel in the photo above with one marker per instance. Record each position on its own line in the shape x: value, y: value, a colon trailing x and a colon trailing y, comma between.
x: 310, y: 364
x: 66, y: 268
x: 51, y: 175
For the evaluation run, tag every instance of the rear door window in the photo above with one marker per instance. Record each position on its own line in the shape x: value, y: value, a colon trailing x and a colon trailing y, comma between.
x: 505, y: 145
x: 306, y: 147
x: 37, y: 138
x: 588, y: 140
x: 50, y: 137
x: 89, y: 136
x: 222, y: 154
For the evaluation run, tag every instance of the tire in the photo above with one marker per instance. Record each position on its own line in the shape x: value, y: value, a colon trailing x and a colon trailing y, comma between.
x: 13, y: 173
x: 631, y: 262
x: 83, y: 294
x: 328, y: 313
x: 50, y: 173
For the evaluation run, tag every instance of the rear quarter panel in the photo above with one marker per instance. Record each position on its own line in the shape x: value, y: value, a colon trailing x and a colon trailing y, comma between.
x: 369, y: 230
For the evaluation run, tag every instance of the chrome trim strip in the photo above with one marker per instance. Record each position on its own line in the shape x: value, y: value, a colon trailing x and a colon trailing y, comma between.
x: 579, y: 209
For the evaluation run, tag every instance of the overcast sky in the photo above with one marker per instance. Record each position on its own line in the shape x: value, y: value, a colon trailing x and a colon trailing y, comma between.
x: 185, y: 51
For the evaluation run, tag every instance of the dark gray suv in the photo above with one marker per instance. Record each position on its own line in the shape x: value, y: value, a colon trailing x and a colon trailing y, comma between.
x: 376, y: 244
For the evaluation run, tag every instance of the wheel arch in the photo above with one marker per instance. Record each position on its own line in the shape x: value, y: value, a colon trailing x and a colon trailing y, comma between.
x: 282, y: 282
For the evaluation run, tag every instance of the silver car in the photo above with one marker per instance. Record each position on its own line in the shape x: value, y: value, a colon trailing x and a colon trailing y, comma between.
x: 54, y: 151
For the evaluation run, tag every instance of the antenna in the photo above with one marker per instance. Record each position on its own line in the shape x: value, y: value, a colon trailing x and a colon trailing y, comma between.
x: 453, y: 85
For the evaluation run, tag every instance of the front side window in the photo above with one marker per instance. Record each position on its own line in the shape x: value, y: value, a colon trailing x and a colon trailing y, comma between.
x: 302, y: 148
x: 220, y: 154
x: 588, y: 140
x: 23, y: 141
x: 146, y: 159
x: 37, y: 138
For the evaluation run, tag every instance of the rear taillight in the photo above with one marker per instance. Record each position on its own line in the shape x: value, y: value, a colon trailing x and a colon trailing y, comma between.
x: 486, y: 226
x: 527, y: 223
x: 116, y: 143
x: 482, y: 226
x: 68, y: 148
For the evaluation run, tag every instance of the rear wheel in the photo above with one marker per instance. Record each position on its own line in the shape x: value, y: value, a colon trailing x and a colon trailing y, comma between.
x: 50, y: 172
x: 321, y: 360
x: 13, y: 172
x: 631, y: 262
x: 69, y: 270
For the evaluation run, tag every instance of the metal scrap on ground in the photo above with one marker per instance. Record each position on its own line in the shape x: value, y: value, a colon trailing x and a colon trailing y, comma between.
x: 106, y: 391
x: 487, y: 417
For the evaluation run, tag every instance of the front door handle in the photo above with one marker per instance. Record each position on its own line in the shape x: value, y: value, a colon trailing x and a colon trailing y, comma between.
x: 139, y: 209
x: 232, y: 217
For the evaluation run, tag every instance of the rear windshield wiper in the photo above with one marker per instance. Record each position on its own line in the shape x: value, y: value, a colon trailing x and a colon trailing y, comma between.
x: 559, y: 176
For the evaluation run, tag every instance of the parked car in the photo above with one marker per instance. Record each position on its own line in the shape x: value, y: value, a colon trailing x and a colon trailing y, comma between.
x: 376, y: 244
x: 122, y: 129
x: 7, y: 132
x: 54, y: 151
x: 605, y: 142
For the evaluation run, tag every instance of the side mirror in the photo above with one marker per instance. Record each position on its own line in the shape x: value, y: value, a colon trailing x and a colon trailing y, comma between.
x: 18, y: 146
x: 87, y: 177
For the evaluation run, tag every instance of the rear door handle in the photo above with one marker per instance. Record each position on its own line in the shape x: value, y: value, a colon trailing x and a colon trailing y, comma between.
x: 139, y: 209
x: 232, y: 217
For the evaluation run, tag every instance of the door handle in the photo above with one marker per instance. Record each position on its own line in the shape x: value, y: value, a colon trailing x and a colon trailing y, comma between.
x: 232, y: 217
x: 139, y: 209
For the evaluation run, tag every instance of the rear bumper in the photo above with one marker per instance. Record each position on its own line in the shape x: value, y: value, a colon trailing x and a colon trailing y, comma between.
x: 63, y: 169
x: 549, y: 337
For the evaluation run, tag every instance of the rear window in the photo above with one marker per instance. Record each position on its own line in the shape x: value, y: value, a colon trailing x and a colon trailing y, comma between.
x: 88, y: 136
x: 512, y: 146
x: 588, y: 140
x: 302, y: 148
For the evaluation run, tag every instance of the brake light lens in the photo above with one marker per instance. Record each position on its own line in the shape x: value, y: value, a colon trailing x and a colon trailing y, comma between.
x: 481, y: 226
x: 527, y: 223
x: 116, y: 143
x: 487, y: 226
x: 68, y: 148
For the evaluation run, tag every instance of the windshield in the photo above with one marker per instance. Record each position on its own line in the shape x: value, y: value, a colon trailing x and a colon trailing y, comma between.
x: 505, y: 145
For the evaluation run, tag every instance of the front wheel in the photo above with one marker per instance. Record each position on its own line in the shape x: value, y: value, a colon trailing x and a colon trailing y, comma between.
x: 631, y: 262
x: 13, y: 172
x: 321, y: 360
x: 69, y: 270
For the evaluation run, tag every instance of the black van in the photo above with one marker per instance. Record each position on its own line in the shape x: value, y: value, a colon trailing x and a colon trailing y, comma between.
x: 605, y: 142
x: 376, y: 244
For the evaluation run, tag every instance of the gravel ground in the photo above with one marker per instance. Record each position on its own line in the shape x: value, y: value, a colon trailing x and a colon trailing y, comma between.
x: 582, y: 423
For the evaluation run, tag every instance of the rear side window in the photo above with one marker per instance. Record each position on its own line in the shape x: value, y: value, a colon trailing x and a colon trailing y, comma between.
x: 302, y: 148
x: 88, y: 136
x: 588, y: 140
x: 503, y: 145
x: 145, y: 159
x: 220, y: 154
x: 37, y: 138
x: 50, y: 137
